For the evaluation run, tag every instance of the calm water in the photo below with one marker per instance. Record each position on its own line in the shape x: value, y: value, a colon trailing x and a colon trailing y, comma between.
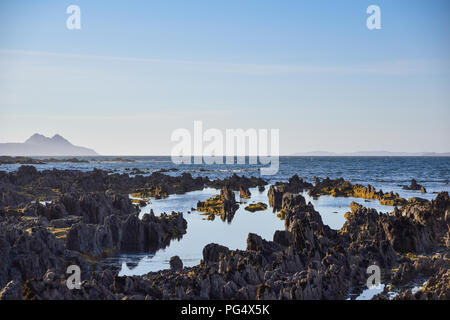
x: 386, y: 173
x: 200, y: 232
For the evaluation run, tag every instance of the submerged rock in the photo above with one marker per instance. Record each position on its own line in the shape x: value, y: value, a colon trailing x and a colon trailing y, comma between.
x: 415, y: 186
x: 253, y: 207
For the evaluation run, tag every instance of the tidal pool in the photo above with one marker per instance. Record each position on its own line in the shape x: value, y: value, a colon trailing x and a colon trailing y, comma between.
x: 233, y: 235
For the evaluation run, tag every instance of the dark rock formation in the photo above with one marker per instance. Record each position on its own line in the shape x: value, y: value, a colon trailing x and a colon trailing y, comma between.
x: 244, y: 193
x: 223, y: 205
x: 235, y: 182
x: 176, y: 264
x: 275, y: 197
x: 253, y: 207
x: 19, y: 188
x: 12, y: 291
x: 19, y: 160
x: 212, y: 252
x: 295, y: 185
x: 342, y: 188
x: 126, y: 235
x: 93, y: 208
x: 307, y: 260
x: 415, y: 186
x: 276, y: 192
x: 28, y: 247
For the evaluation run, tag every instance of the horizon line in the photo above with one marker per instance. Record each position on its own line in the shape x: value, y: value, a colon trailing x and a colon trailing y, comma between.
x: 406, y: 154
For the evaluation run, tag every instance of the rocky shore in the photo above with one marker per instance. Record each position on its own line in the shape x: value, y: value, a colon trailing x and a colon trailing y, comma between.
x: 40, y: 160
x: 91, y: 216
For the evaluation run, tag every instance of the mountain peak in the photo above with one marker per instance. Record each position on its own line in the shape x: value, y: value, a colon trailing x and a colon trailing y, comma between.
x: 40, y: 145
x: 37, y: 139
x: 59, y: 139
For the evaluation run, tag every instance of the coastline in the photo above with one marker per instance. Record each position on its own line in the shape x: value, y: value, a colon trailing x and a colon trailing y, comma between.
x: 69, y: 231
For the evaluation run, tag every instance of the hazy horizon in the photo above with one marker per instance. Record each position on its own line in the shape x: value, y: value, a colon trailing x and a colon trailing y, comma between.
x: 136, y: 72
x: 315, y: 153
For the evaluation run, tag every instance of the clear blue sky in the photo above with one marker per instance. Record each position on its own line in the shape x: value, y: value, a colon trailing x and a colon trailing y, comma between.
x: 137, y: 70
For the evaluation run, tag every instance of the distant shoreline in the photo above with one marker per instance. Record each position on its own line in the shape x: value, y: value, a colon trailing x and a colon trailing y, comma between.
x: 33, y: 160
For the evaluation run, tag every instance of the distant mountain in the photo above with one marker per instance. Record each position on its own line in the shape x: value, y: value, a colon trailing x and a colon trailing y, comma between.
x: 39, y: 145
x: 371, y: 154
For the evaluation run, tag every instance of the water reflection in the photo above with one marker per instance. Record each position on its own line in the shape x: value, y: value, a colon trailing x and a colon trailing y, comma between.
x: 201, y: 231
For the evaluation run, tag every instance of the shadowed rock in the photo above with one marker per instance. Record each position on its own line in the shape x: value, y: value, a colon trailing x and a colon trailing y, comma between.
x: 176, y: 264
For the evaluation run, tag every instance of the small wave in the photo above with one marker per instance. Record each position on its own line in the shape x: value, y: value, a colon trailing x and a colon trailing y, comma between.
x: 225, y: 170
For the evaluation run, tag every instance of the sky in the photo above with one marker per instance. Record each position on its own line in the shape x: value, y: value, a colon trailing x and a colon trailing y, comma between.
x: 138, y: 70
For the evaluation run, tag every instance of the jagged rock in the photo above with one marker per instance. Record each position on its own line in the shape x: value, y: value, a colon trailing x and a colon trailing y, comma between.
x: 254, y: 242
x: 342, y: 188
x: 25, y: 185
x: 296, y: 185
x: 212, y: 252
x: 176, y: 264
x: 229, y: 205
x: 281, y: 237
x: 244, y: 193
x: 276, y: 192
x: 275, y: 197
x: 306, y: 260
x: 223, y: 205
x: 12, y: 291
x: 235, y: 182
x: 128, y: 235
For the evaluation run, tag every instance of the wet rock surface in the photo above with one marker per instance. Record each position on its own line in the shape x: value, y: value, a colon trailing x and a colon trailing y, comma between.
x: 253, y: 207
